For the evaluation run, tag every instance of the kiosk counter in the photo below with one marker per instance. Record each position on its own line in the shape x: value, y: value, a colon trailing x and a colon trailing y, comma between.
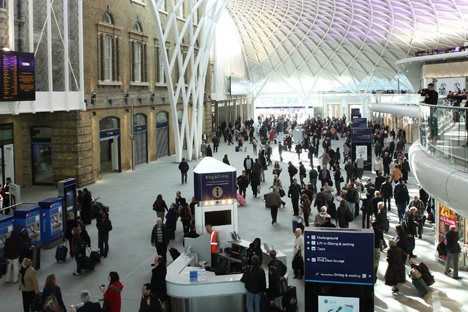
x: 195, y: 289
x: 215, y: 293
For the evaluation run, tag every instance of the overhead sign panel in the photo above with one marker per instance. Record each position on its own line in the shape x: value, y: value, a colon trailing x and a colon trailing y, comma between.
x: 361, y: 135
x: 339, y: 256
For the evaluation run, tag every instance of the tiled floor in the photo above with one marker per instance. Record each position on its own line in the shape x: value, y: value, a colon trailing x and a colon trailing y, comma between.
x: 130, y: 196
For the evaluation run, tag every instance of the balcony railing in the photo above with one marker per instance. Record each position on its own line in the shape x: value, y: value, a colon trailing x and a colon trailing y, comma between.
x: 443, y: 134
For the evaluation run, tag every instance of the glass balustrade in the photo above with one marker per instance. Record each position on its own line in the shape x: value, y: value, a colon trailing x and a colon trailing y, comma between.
x: 443, y: 134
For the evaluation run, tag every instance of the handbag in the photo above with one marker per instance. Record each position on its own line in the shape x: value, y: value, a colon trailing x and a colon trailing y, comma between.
x: 282, y: 192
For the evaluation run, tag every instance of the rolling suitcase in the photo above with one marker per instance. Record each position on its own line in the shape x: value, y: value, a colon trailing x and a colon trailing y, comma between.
x: 61, y: 253
x: 95, y: 256
x: 289, y: 300
x: 87, y: 263
x: 237, y: 148
x: 420, y: 286
x: 36, y: 257
x: 425, y: 272
x: 418, y: 282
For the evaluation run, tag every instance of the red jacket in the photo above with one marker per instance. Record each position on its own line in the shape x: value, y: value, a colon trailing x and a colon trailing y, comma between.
x: 113, y: 296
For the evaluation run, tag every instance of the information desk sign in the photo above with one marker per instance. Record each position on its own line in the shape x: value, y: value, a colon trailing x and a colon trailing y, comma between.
x: 339, y: 256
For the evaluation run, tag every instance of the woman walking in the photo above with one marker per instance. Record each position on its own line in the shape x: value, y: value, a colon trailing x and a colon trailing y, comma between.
x: 160, y: 206
x: 395, y: 273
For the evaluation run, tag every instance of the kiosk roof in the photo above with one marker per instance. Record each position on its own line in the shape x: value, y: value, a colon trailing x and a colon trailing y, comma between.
x: 212, y: 165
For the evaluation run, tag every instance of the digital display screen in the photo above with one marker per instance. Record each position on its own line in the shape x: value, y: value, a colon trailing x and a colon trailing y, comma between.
x: 17, y: 76
x: 70, y: 200
x: 216, y: 218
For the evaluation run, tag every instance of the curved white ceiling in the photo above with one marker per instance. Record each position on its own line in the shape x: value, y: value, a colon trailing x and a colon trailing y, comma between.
x: 314, y: 45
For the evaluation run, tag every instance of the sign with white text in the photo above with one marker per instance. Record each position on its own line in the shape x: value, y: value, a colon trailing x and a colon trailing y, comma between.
x: 339, y: 256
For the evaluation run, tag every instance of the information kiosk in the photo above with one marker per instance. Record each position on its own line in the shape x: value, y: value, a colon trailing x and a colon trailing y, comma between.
x: 337, y: 278
x: 361, y: 142
x: 51, y: 222
x: 29, y: 218
x: 215, y: 190
x: 6, y: 226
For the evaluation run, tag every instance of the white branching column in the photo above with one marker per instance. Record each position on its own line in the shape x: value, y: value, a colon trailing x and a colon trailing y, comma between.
x: 192, y: 64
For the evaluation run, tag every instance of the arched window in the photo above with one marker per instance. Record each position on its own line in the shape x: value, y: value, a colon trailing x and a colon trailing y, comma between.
x: 137, y: 27
x: 138, y: 45
x: 107, y: 18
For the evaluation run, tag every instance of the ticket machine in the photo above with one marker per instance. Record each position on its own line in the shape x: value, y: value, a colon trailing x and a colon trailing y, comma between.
x: 51, y: 222
x: 29, y: 217
x: 6, y: 226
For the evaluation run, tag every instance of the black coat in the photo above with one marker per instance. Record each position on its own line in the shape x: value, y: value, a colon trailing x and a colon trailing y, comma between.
x: 158, y: 281
x: 341, y: 216
x: 395, y: 273
x: 90, y: 307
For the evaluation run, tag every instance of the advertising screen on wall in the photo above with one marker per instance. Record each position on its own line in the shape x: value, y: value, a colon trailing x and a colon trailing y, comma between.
x: 17, y: 76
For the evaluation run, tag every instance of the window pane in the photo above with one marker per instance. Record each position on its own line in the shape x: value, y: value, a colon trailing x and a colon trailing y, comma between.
x: 137, y: 61
x: 107, y: 58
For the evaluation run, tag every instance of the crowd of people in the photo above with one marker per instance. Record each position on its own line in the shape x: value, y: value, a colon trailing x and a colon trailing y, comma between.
x: 341, y: 196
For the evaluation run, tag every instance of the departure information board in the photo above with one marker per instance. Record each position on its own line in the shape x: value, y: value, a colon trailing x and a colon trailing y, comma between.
x: 17, y: 77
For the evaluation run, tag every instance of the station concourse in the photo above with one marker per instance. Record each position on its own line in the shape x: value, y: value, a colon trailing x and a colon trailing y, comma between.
x: 130, y: 196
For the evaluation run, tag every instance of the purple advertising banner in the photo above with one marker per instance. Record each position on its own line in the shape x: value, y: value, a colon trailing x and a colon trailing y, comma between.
x: 215, y: 186
x: 17, y: 76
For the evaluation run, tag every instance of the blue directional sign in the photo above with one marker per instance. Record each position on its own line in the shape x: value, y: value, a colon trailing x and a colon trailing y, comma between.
x: 359, y: 123
x: 339, y: 256
x: 361, y: 135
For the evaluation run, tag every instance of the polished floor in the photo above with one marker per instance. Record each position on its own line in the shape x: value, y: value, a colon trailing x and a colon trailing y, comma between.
x: 130, y: 196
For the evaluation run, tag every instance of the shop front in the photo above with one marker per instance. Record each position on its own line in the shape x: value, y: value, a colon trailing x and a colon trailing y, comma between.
x: 445, y: 219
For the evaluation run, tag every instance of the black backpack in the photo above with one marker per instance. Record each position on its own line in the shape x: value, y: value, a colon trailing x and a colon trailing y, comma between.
x: 184, y: 213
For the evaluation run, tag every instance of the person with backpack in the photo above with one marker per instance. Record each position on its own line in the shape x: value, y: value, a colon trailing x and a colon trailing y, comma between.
x: 274, y: 292
x: 255, y: 284
x: 52, y: 296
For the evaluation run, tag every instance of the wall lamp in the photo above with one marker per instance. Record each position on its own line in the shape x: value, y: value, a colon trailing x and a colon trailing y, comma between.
x: 127, y: 110
x: 163, y: 99
x: 139, y: 99
x: 126, y: 98
x: 109, y: 100
x: 152, y: 97
x: 93, y: 99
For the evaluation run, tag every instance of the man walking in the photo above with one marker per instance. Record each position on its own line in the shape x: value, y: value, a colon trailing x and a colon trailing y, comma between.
x: 274, y: 200
x: 184, y: 168
x: 453, y: 250
x: 294, y: 193
x: 160, y: 238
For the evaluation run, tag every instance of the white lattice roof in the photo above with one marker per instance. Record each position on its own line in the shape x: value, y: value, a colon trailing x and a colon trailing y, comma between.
x: 313, y: 45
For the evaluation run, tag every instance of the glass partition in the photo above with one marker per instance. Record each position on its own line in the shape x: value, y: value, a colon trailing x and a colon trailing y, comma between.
x: 443, y: 134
